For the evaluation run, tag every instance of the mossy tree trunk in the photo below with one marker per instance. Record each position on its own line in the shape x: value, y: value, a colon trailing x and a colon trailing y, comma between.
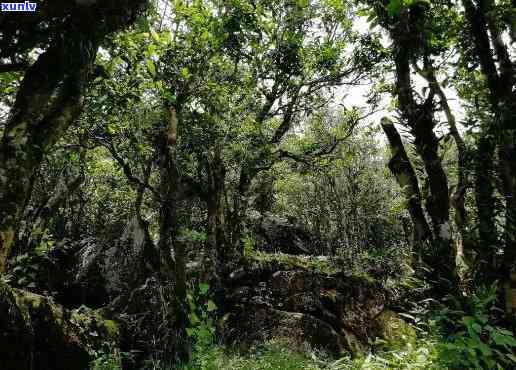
x: 50, y: 97
x: 217, y: 232
x: 498, y: 69
x: 485, y: 208
x: 418, y: 116
x: 405, y: 175
x: 457, y: 194
x: 48, y: 101
x: 175, y: 269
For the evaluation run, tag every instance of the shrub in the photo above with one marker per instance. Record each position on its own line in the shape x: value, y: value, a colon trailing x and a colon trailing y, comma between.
x: 475, y: 342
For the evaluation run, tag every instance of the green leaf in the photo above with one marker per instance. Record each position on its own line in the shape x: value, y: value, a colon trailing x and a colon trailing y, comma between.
x: 185, y: 73
x: 169, y: 97
x: 154, y: 35
x: 511, y: 357
x: 194, y: 319
x: 166, y: 38
x: 211, y: 306
x: 477, y: 328
x: 394, y: 7
x: 151, y: 67
x: 203, y: 288
x: 484, y: 348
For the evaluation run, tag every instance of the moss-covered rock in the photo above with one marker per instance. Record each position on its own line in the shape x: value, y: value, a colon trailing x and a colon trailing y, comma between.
x: 36, y: 333
x: 283, y: 261
x: 16, y: 334
x: 394, y: 330
x: 302, y: 297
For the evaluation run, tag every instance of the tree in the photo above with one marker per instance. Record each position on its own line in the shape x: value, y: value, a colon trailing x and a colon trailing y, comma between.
x: 486, y: 27
x: 50, y: 95
x: 411, y: 29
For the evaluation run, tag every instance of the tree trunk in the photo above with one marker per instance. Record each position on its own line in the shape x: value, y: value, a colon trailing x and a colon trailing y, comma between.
x: 457, y: 198
x: 150, y: 255
x: 37, y: 121
x: 485, y: 208
x: 405, y: 175
x: 169, y: 228
x: 216, y: 211
x: 507, y: 156
x: 48, y: 101
x: 488, y: 44
x: 419, y: 118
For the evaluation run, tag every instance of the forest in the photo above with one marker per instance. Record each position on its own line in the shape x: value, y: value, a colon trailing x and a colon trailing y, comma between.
x: 258, y: 184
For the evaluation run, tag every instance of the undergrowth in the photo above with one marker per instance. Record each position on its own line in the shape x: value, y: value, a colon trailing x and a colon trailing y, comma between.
x: 461, y: 334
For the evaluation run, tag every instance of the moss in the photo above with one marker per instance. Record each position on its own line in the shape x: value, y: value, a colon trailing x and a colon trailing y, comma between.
x: 364, y: 276
x: 16, y: 333
x: 95, y: 327
x: 353, y: 344
x: 320, y: 265
x: 112, y: 329
x: 31, y: 300
x: 394, y: 331
x: 6, y: 241
x: 32, y: 326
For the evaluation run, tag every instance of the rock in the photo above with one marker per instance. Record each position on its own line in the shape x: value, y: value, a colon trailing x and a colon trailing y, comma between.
x: 89, y: 272
x: 394, y: 330
x: 277, y: 234
x: 304, y: 298
x: 16, y: 334
x: 36, y: 333
x: 257, y: 324
x: 116, y: 269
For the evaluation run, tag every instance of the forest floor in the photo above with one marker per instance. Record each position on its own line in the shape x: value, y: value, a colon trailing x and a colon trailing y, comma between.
x: 277, y: 355
x: 276, y: 277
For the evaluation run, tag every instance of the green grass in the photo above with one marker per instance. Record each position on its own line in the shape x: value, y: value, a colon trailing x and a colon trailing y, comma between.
x: 272, y: 355
x: 425, y: 354
x: 276, y: 356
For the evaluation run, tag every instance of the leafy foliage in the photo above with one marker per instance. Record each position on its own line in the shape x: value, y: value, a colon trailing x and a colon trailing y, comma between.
x: 474, y: 341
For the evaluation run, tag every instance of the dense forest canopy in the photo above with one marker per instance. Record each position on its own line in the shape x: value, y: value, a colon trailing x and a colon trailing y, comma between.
x: 280, y: 184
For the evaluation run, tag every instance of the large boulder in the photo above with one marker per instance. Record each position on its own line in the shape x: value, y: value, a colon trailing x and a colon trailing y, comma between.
x: 36, y: 333
x: 277, y: 234
x: 91, y: 272
x: 306, y: 300
x: 104, y: 272
x: 393, y: 330
x: 258, y: 322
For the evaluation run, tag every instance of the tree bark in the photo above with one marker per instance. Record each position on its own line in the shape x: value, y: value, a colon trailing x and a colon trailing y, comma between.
x: 485, y: 208
x: 216, y: 211
x: 457, y: 197
x: 405, y: 175
x: 419, y: 118
x: 169, y: 227
x: 37, y: 121
x: 488, y: 43
x: 507, y: 156
x: 150, y: 254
